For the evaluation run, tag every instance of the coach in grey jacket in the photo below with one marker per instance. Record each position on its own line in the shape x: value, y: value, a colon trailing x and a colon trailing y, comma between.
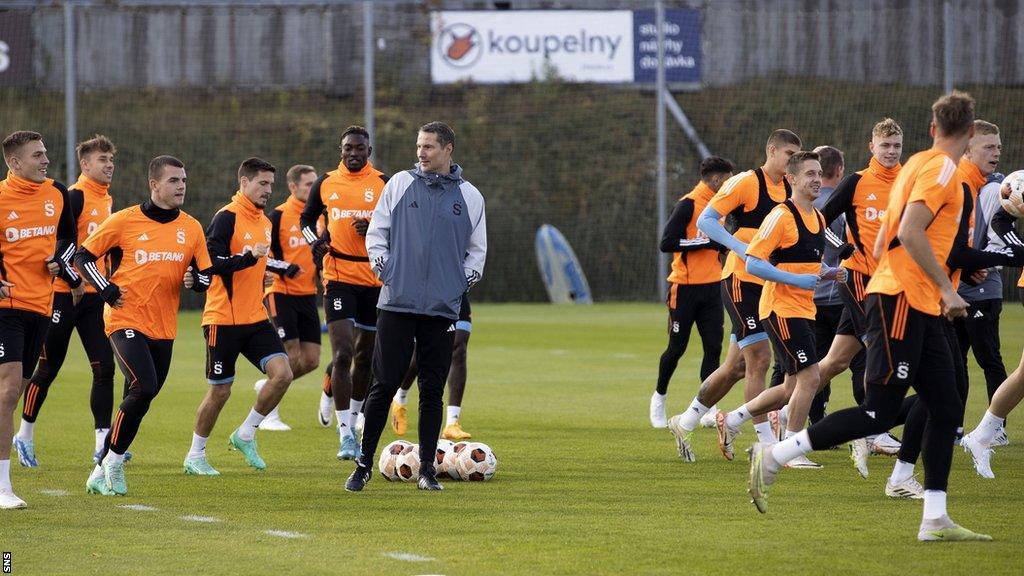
x: 427, y: 242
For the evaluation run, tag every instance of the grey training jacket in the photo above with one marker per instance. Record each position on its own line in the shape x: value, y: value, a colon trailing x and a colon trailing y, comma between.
x: 427, y: 235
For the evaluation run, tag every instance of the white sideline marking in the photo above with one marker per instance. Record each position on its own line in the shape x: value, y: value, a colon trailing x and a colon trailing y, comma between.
x: 206, y: 519
x: 138, y: 507
x: 285, y: 534
x: 406, y: 557
x: 49, y: 492
x: 623, y: 355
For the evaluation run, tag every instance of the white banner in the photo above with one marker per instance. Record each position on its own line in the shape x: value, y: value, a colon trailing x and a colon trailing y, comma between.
x: 519, y: 46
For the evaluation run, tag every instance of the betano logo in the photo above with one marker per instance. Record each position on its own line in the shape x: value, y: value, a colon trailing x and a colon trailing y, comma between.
x: 462, y: 45
x: 15, y: 234
x: 143, y: 257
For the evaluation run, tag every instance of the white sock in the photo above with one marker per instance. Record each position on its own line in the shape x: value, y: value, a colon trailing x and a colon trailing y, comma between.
x: 5, y: 475
x: 248, y: 428
x: 784, y: 413
x: 198, y: 449
x: 97, y: 472
x: 356, y: 406
x: 796, y: 445
x: 986, y: 431
x: 737, y: 417
x: 901, y: 471
x: 25, y: 432
x: 453, y: 415
x: 789, y: 434
x: 402, y: 397
x: 764, y: 433
x: 934, y: 504
x: 113, y: 457
x: 101, y: 437
x: 274, y: 414
x: 344, y: 422
x: 691, y: 418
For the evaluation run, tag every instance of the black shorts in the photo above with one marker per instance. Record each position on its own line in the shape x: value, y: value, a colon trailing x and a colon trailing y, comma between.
x: 902, y: 341
x: 22, y: 334
x: 257, y: 342
x: 854, y: 321
x: 741, y: 302
x: 465, y: 322
x: 793, y: 342
x: 295, y: 317
x: 351, y: 302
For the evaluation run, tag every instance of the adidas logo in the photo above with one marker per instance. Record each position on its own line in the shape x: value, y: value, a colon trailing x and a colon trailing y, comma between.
x: 13, y: 215
x: 872, y: 197
x: 451, y: 328
x: 334, y: 196
x: 248, y: 236
x: 414, y: 205
x: 870, y: 414
x: 294, y: 228
x: 94, y: 212
x: 143, y: 237
x: 978, y: 314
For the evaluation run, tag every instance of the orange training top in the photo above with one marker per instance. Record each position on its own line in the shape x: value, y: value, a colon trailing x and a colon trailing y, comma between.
x: 930, y: 177
x: 781, y: 231
x: 155, y: 257
x: 91, y: 204
x: 700, y: 266
x: 288, y: 244
x: 32, y: 214
x: 236, y: 291
x: 742, y: 193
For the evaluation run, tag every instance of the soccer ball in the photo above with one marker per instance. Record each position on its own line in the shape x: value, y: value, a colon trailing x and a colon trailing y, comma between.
x: 389, y: 459
x: 450, y: 457
x: 476, y: 462
x: 443, y: 446
x: 407, y: 466
x: 1011, y: 194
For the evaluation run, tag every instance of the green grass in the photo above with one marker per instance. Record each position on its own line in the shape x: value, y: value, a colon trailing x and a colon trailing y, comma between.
x: 584, y: 485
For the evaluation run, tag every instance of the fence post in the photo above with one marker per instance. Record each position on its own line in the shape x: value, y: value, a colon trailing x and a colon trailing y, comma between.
x: 662, y: 182
x: 368, y: 96
x: 947, y: 44
x: 69, y: 91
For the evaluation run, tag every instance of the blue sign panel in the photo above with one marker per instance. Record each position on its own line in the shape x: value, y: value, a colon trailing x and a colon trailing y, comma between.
x: 682, y: 46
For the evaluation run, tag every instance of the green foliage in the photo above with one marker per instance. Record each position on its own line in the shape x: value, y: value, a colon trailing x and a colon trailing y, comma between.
x: 580, y: 157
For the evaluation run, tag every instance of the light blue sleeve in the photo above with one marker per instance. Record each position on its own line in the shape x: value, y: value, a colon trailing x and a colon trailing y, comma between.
x: 709, y: 224
x: 765, y: 270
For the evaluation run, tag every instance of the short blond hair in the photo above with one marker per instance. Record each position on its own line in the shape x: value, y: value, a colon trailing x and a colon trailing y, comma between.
x: 886, y: 129
x: 983, y: 128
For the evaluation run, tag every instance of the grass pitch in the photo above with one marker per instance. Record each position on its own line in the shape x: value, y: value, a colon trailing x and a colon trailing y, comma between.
x: 584, y: 485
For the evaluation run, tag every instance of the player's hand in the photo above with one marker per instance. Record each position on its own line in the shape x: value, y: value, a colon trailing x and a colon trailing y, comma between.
x: 378, y: 266
x: 5, y: 289
x: 953, y: 306
x: 188, y: 280
x: 268, y: 279
x: 52, y: 266
x: 319, y: 249
x: 472, y: 277
x: 361, y: 225
x: 979, y: 276
x: 77, y: 293
x: 292, y: 271
x: 260, y: 250
x: 841, y: 274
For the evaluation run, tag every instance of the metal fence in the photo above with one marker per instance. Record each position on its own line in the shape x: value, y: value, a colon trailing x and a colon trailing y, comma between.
x: 214, y: 82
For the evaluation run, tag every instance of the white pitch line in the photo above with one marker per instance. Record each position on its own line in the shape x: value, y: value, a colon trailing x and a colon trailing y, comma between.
x: 50, y: 492
x: 285, y: 534
x: 406, y: 557
x: 204, y: 519
x: 139, y: 507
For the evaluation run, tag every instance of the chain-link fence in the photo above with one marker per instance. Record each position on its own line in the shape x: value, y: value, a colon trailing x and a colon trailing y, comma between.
x: 214, y: 82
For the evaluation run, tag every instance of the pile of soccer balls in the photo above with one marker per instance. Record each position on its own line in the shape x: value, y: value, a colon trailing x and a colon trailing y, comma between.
x: 470, y: 461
